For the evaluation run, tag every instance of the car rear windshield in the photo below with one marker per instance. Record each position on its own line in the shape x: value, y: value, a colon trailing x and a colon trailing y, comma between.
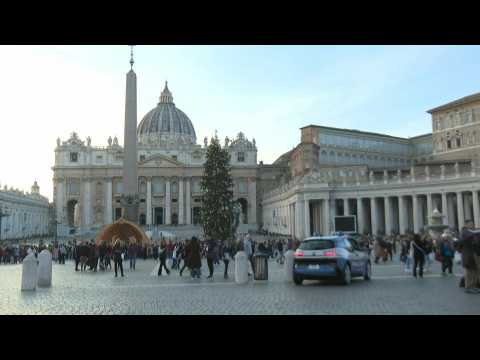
x: 320, y: 244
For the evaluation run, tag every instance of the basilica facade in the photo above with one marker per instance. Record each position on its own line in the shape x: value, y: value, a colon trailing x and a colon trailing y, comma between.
x: 170, y: 166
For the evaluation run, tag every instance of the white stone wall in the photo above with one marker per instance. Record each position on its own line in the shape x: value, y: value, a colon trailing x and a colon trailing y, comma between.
x: 28, y: 215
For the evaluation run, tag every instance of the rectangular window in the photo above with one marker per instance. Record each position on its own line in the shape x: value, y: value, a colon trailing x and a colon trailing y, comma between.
x: 73, y: 157
x: 242, y: 186
x: 74, y: 187
x: 118, y: 213
x: 241, y: 156
x: 157, y: 186
x: 118, y: 187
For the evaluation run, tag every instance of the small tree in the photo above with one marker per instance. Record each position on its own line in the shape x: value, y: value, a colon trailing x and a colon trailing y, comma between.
x: 217, y: 200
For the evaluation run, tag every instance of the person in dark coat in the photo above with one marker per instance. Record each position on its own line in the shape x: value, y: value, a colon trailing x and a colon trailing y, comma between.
x: 184, y: 255
x: 194, y: 259
x: 419, y: 254
x: 468, y: 246
x: 117, y: 256
x: 226, y: 253
x: 132, y: 255
x: 447, y: 253
x: 163, y: 253
x: 211, y: 254
x: 76, y: 251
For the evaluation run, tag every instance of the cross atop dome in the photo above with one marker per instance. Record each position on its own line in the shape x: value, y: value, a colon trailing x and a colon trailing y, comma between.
x: 166, y: 96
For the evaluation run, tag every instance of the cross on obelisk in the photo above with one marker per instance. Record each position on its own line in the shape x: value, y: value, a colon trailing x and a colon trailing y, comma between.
x: 130, y: 198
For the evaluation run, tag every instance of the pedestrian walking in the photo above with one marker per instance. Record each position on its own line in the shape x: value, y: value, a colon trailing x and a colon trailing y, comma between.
x: 117, y: 256
x: 163, y: 255
x: 194, y: 259
x: 184, y: 256
x: 419, y: 254
x: 211, y: 255
x: 446, y: 253
x: 226, y: 253
x: 468, y: 245
x: 247, y: 247
x: 132, y: 254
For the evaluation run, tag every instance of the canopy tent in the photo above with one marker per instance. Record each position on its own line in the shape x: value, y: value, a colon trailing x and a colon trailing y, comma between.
x: 124, y: 230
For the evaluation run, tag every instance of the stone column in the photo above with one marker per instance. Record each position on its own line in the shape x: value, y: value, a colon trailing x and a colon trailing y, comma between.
x: 374, y: 215
x: 252, y: 200
x: 298, y: 224
x: 416, y: 220
x: 476, y: 210
x: 87, y: 221
x: 429, y: 208
x: 346, y: 207
x: 59, y: 200
x: 402, y: 214
x: 445, y: 209
x: 149, y: 201
x: 180, y: 202
x: 360, y: 216
x: 326, y: 217
x: 168, y: 201
x: 388, y: 215
x: 461, y: 218
x: 467, y: 210
x: 108, y: 201
x: 188, y: 200
x: 306, y: 215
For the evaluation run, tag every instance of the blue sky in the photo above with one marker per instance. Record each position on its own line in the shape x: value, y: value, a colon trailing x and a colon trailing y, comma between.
x: 268, y: 92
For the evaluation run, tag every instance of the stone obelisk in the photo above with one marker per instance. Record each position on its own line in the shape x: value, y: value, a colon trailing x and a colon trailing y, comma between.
x: 130, y: 198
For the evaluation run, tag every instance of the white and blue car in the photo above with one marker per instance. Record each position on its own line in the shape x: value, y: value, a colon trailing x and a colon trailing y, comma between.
x: 331, y: 257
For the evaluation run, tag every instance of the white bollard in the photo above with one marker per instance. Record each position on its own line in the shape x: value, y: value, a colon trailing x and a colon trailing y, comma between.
x: 29, y: 272
x: 241, y: 268
x: 45, y: 269
x: 288, y: 267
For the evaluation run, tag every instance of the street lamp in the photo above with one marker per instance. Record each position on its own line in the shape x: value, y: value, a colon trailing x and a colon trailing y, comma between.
x: 2, y: 215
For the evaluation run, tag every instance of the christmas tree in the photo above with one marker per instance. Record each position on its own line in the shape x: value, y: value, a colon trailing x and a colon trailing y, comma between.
x: 217, y: 200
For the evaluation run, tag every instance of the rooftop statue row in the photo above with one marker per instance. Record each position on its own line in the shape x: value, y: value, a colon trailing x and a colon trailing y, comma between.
x: 74, y: 140
x: 363, y: 177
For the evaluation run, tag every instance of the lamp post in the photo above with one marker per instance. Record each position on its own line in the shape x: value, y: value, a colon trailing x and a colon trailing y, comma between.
x: 2, y: 215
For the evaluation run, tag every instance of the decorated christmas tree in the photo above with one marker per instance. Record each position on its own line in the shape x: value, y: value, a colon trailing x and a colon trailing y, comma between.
x: 217, y: 200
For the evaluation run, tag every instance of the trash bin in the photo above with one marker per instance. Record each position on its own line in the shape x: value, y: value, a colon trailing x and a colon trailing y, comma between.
x: 260, y: 262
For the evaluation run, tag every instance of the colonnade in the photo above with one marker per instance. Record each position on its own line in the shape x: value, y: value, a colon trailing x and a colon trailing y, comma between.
x: 390, y: 214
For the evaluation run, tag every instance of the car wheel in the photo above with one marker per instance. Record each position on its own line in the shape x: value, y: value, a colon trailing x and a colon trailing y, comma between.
x: 297, y: 280
x: 368, y: 271
x: 347, y: 275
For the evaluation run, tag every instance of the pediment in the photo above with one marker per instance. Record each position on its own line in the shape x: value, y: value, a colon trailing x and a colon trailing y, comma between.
x: 160, y: 161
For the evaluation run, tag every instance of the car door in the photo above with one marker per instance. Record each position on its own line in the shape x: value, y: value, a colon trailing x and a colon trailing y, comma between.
x: 358, y: 257
x: 362, y: 256
x: 352, y: 255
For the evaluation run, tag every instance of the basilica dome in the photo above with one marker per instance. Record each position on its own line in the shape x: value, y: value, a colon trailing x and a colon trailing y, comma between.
x: 166, y: 121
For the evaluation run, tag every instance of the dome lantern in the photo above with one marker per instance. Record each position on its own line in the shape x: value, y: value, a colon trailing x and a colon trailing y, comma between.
x: 166, y: 96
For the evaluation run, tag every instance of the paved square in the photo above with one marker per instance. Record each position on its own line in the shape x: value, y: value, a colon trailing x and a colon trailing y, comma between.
x: 391, y: 291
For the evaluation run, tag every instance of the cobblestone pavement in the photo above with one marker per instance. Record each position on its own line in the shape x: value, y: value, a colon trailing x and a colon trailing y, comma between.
x: 391, y: 291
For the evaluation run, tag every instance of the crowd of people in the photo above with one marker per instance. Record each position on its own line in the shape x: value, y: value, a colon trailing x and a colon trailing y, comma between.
x: 416, y: 252
x: 178, y: 255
